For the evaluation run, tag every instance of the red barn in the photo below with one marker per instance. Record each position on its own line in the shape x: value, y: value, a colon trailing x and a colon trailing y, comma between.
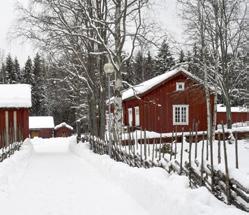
x: 41, y: 126
x: 63, y: 130
x: 174, y: 100
x: 15, y: 102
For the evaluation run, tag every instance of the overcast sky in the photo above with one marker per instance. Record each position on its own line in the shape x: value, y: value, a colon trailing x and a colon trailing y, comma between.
x: 165, y: 13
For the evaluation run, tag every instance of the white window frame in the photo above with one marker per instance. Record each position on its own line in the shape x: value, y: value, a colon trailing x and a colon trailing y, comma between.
x: 130, y: 116
x: 178, y: 84
x: 137, y: 116
x: 180, y: 121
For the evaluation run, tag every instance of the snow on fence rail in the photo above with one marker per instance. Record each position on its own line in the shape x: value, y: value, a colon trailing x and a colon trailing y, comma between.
x: 184, y: 156
x: 10, y: 142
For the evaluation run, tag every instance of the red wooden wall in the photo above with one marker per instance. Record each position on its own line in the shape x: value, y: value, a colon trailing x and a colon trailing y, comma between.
x: 43, y: 132
x: 63, y: 132
x: 22, y: 121
x: 160, y: 119
x: 236, y: 117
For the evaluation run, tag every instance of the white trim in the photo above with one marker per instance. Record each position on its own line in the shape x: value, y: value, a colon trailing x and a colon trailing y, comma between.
x: 137, y: 116
x: 15, y: 126
x: 7, y: 127
x: 181, y: 121
x: 130, y: 116
x: 180, y: 86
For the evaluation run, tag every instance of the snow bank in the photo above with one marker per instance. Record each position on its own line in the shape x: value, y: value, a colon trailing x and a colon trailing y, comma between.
x: 15, y: 95
x: 12, y: 168
x: 154, y: 189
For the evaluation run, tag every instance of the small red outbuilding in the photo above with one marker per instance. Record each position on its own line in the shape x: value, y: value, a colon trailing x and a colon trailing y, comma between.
x: 63, y: 130
x: 15, y: 102
x: 41, y: 126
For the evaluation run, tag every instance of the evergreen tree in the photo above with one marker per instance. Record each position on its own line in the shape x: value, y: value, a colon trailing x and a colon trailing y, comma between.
x: 164, y: 59
x: 2, y: 74
x: 28, y: 77
x: 149, y: 66
x: 39, y: 91
x: 10, y: 76
x: 139, y: 68
x: 181, y: 57
x: 17, y: 71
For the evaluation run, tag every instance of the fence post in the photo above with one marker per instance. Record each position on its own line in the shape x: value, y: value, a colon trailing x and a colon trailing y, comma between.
x: 202, y: 157
x: 219, y: 157
x: 181, y: 153
x: 236, y: 150
x: 189, y: 157
x: 228, y: 193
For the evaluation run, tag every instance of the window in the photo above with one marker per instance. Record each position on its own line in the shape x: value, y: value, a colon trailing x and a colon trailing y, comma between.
x: 137, y: 117
x: 130, y: 116
x: 180, y: 86
x: 180, y: 114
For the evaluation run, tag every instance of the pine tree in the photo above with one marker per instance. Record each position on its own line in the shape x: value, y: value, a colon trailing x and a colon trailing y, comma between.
x: 139, y: 68
x: 39, y: 91
x: 17, y: 71
x: 28, y: 77
x: 10, y: 76
x: 2, y: 74
x: 149, y: 66
x: 181, y: 57
x: 164, y: 59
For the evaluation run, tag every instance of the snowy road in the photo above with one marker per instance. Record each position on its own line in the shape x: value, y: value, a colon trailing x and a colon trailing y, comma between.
x: 56, y: 182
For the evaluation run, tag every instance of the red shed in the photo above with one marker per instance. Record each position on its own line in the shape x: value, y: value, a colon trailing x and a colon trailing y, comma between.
x: 41, y: 126
x: 239, y: 114
x: 15, y: 101
x: 171, y: 101
x: 63, y: 130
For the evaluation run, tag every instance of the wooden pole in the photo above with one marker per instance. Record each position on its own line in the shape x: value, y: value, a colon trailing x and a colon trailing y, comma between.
x: 202, y: 158
x: 228, y: 193
x: 236, y: 151
x: 196, y: 141
x: 189, y: 157
x: 181, y: 153
x: 153, y: 150
x: 160, y: 146
x: 145, y: 150
x: 171, y: 146
x: 219, y: 157
x: 175, y: 144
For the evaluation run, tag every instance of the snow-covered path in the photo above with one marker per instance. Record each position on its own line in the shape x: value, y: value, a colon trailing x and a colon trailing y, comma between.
x: 56, y: 182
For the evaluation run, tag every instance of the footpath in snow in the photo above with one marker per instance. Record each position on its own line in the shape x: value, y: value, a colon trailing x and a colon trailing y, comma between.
x: 59, y: 177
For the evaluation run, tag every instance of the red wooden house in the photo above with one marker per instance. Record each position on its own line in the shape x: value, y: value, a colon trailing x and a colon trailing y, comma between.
x: 15, y: 101
x: 41, y: 126
x: 63, y: 130
x: 174, y: 100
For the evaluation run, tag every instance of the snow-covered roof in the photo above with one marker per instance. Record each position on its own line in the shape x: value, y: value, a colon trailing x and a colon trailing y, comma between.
x: 149, y: 84
x: 37, y: 122
x: 15, y: 96
x: 222, y: 108
x: 63, y: 124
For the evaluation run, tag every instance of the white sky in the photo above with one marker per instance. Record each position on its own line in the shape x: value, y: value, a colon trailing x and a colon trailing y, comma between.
x: 165, y: 13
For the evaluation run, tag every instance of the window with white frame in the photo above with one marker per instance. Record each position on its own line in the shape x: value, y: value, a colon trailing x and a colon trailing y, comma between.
x: 137, y: 116
x: 180, y: 86
x: 130, y: 116
x: 180, y: 114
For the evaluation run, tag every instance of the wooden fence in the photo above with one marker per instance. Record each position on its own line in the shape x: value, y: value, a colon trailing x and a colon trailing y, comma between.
x: 10, y: 142
x: 181, y: 158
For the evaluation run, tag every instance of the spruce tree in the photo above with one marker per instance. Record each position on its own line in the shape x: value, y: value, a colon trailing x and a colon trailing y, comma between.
x: 28, y: 77
x: 10, y: 76
x: 39, y: 91
x: 164, y: 59
x: 2, y: 74
x: 181, y: 57
x: 17, y: 71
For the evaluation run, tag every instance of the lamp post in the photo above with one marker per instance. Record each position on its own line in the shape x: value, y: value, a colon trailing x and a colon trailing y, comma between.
x: 109, y: 70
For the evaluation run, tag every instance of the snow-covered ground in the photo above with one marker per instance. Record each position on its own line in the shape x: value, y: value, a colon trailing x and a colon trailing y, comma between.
x: 58, y: 176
